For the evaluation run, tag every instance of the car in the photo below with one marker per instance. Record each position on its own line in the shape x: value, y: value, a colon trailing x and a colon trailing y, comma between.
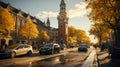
x: 49, y: 48
x: 71, y: 46
x: 62, y: 46
x: 21, y: 49
x: 82, y: 47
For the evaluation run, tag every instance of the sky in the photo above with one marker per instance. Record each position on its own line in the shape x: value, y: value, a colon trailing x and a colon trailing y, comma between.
x: 42, y: 9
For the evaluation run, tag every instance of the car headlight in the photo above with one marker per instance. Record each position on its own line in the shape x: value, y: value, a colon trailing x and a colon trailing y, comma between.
x: 49, y: 48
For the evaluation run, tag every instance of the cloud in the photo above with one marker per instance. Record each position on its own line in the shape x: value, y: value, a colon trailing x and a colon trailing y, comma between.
x: 45, y: 14
x: 79, y: 11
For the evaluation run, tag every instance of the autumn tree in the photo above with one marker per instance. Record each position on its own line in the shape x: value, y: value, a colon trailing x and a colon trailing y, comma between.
x: 71, y: 35
x: 77, y: 35
x: 7, y: 22
x: 43, y: 37
x: 100, y: 31
x: 82, y: 37
x: 29, y: 30
x: 108, y: 12
x: 71, y: 41
x: 72, y: 31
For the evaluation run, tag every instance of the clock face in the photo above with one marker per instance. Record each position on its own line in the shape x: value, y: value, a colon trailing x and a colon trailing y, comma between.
x: 65, y: 20
x: 62, y: 16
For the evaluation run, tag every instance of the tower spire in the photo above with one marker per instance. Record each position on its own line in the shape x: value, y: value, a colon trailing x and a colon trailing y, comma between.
x: 62, y: 6
x: 48, y: 22
x: 62, y: 2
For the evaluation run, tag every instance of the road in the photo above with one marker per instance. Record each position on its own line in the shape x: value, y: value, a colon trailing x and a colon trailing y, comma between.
x: 36, y: 59
x: 71, y: 59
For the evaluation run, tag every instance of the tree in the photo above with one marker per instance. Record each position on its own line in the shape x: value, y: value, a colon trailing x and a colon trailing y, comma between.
x: 72, y: 31
x: 77, y: 35
x: 82, y: 37
x: 7, y: 22
x: 43, y: 36
x: 70, y: 41
x: 108, y: 12
x: 29, y: 30
x: 100, y: 31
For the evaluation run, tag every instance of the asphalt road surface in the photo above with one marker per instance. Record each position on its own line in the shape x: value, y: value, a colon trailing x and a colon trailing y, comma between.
x: 72, y: 57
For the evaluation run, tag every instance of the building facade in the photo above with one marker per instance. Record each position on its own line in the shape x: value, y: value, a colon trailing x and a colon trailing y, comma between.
x: 58, y: 35
x: 62, y: 24
x: 20, y: 17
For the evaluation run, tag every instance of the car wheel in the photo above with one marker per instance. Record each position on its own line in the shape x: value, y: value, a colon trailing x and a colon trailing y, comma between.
x: 51, y: 52
x: 58, y: 51
x: 13, y: 54
x: 29, y: 53
x: 40, y: 53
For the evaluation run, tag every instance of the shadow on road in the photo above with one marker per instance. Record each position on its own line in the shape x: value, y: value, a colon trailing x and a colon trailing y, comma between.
x: 104, y: 58
x: 112, y: 63
x: 21, y: 56
x: 106, y: 61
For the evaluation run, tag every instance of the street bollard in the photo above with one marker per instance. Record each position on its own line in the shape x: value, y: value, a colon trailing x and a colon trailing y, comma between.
x: 62, y: 58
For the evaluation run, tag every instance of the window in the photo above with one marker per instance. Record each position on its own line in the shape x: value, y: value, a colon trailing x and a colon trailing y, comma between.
x: 26, y: 46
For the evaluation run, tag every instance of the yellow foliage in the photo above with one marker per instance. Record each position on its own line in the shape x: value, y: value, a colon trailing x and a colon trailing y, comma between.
x: 104, y: 10
x: 77, y: 35
x: 70, y: 40
x: 71, y: 31
x: 6, y: 20
x: 29, y: 29
x: 100, y: 30
x: 43, y: 36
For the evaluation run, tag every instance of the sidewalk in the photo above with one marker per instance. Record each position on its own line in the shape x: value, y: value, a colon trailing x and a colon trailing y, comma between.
x: 103, y: 58
x: 90, y: 60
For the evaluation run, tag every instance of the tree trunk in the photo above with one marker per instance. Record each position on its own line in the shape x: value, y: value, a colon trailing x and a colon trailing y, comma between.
x: 115, y: 53
x: 117, y: 37
x: 100, y: 42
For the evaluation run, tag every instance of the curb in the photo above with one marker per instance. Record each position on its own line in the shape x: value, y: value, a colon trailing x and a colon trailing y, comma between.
x: 90, y: 59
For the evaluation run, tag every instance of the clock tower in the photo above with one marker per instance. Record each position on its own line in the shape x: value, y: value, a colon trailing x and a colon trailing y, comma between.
x: 62, y: 24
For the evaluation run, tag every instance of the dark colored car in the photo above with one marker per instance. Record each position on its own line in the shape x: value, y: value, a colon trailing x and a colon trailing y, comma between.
x: 50, y: 48
x: 62, y: 46
x: 82, y: 47
x: 4, y: 53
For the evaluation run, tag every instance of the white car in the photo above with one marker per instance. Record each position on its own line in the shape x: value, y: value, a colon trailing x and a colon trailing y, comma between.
x: 21, y: 49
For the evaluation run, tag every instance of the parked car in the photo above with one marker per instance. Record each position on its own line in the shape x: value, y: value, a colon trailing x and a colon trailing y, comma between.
x: 82, y: 47
x: 21, y: 49
x: 72, y: 46
x: 62, y: 46
x: 49, y: 48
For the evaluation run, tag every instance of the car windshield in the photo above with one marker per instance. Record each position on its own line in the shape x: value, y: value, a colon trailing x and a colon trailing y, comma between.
x: 62, y: 45
x: 83, y: 45
x: 48, y: 45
